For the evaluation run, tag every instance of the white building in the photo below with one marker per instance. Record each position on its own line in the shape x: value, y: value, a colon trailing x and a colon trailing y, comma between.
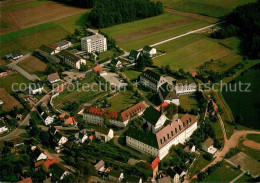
x: 58, y: 137
x: 185, y: 86
x: 45, y: 115
x: 35, y: 88
x: 81, y: 136
x: 62, y: 45
x: 149, y: 51
x: 168, y: 94
x: 38, y: 153
x: 160, y: 143
x: 3, y: 129
x: 97, y: 115
x: 54, y: 77
x: 104, y: 134
x: 151, y: 80
x: 71, y: 59
x: 154, y: 119
x: 45, y: 50
x: 208, y: 146
x: 93, y: 43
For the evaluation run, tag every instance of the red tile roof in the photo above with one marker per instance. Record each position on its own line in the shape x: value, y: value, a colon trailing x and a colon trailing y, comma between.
x: 61, y: 88
x: 163, y: 105
x: 38, y: 163
x: 91, y: 137
x: 53, y: 76
x: 154, y: 164
x: 214, y: 105
x: 71, y: 120
x: 49, y: 162
x: 98, y: 68
x: 62, y: 116
x: 169, y: 132
x: 135, y: 109
x: 101, y: 112
x: 27, y: 180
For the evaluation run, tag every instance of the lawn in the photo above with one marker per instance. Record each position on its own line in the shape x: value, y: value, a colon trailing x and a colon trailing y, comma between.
x: 218, y: 132
x: 225, y: 173
x: 190, y: 52
x: 9, y: 100
x: 253, y: 137
x: 245, y: 178
x: 232, y: 43
x: 121, y: 101
x: 207, y: 7
x: 137, y: 34
x: 105, y: 54
x: 32, y: 65
x: 131, y: 74
x: 188, y: 102
x: 8, y: 47
x: 199, y: 164
x: 7, y: 82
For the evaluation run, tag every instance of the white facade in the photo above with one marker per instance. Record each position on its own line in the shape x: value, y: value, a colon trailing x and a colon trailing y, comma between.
x: 163, y: 151
x: 107, y: 137
x: 64, y: 174
x: 152, y: 85
x: 62, y: 141
x: 151, y: 52
x: 182, y: 89
x: 42, y: 156
x: 173, y: 101
x: 3, y: 129
x: 159, y: 124
x: 49, y: 120
x: 33, y: 91
x: 76, y: 64
x: 176, y: 178
x: 94, y: 43
x: 53, y: 81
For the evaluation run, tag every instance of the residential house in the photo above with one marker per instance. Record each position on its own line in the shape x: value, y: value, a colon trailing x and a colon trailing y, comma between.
x: 116, y: 176
x: 189, y: 149
x: 3, y: 129
x: 116, y: 63
x: 104, y: 134
x: 93, y: 43
x: 81, y: 136
x: 159, y: 144
x: 17, y: 141
x: 185, y: 86
x: 26, y: 180
x: 151, y: 80
x: 168, y: 94
x: 174, y: 175
x: 62, y: 45
x: 54, y: 77
x: 58, y: 137
x: 45, y: 50
x: 35, y: 88
x: 133, y: 56
x: 59, y: 171
x: 70, y: 121
x: 48, y: 163
x: 38, y: 153
x: 71, y: 59
x: 14, y: 55
x: 166, y: 179
x: 154, y: 119
x: 97, y: 115
x: 149, y: 50
x: 181, y: 172
x: 154, y: 166
x: 100, y: 166
x: 3, y: 74
x: 100, y: 70
x: 45, y: 114
x: 208, y: 146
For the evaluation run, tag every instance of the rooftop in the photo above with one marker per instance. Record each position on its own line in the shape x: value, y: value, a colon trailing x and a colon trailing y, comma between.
x: 151, y: 75
x: 133, y: 110
x: 102, y: 130
x: 62, y: 43
x: 46, y: 49
x: 151, y: 115
x: 69, y: 55
x: 94, y: 37
x: 53, y: 76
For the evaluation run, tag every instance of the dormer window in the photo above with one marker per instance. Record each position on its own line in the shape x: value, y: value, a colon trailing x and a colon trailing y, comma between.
x: 175, y: 130
x: 168, y: 136
x: 172, y: 133
x: 161, y: 141
x: 164, y: 139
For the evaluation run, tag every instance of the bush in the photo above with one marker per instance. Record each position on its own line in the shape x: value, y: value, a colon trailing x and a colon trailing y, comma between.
x: 208, y: 156
x: 232, y: 152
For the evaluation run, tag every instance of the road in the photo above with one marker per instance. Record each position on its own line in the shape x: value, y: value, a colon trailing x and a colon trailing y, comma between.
x: 231, y: 143
x: 182, y: 35
x: 13, y: 65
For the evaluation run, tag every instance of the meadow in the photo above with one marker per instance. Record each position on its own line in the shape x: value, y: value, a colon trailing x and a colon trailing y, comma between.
x: 207, y: 7
x: 7, y: 82
x: 137, y: 34
x: 131, y: 74
x: 188, y: 102
x: 9, y: 100
x: 32, y: 65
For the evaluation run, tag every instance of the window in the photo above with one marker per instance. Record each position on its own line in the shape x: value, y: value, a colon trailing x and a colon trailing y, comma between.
x: 168, y: 136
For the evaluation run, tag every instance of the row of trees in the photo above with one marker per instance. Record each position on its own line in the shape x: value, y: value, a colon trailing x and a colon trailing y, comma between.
x: 78, y: 3
x: 243, y: 21
x: 107, y: 13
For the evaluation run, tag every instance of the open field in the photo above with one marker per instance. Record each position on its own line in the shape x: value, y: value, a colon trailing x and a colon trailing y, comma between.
x: 232, y: 43
x: 207, y: 7
x: 9, y: 100
x: 20, y: 16
x: 250, y: 151
x: 225, y: 173
x: 8, y: 47
x: 121, y: 101
x: 7, y: 82
x: 32, y: 64
x: 253, y: 137
x: 137, y: 34
x: 131, y: 74
x: 188, y: 102
x: 198, y: 165
x: 105, y: 54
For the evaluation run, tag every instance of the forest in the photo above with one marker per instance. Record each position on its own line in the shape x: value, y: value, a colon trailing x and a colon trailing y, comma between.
x: 244, y: 22
x: 107, y: 13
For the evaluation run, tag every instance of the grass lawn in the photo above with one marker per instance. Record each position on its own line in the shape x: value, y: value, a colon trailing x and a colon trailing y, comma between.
x: 249, y: 151
x: 218, y: 132
x: 253, y: 137
x: 131, y: 74
x: 121, y: 101
x: 188, y: 102
x: 36, y: 118
x: 21, y: 6
x: 72, y: 22
x: 190, y: 52
x: 9, y: 100
x: 137, y: 34
x: 206, y: 7
x: 245, y: 178
x: 13, y: 78
x: 105, y: 54
x: 198, y: 164
x: 225, y: 173
x: 232, y: 43
x: 32, y: 65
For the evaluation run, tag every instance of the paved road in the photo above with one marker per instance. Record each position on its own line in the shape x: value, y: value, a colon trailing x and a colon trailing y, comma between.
x: 182, y: 35
x: 13, y: 65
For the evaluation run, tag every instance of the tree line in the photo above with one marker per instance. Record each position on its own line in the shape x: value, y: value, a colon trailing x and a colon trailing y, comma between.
x: 244, y: 22
x: 107, y: 13
x: 78, y: 3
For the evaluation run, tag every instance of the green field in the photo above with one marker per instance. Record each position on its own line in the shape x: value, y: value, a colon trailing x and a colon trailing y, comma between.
x: 225, y: 173
x: 232, y: 43
x: 206, y: 7
x: 131, y: 74
x: 253, y: 137
x: 188, y: 102
x: 22, y: 5
x: 105, y: 54
x: 121, y: 101
x: 191, y: 51
x: 7, y: 82
x: 135, y: 35
x: 199, y: 164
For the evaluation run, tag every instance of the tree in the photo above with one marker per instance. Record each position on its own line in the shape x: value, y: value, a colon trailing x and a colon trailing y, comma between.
x: 172, y: 109
x: 208, y: 156
x: 45, y: 138
x: 77, y: 32
x: 175, y: 160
